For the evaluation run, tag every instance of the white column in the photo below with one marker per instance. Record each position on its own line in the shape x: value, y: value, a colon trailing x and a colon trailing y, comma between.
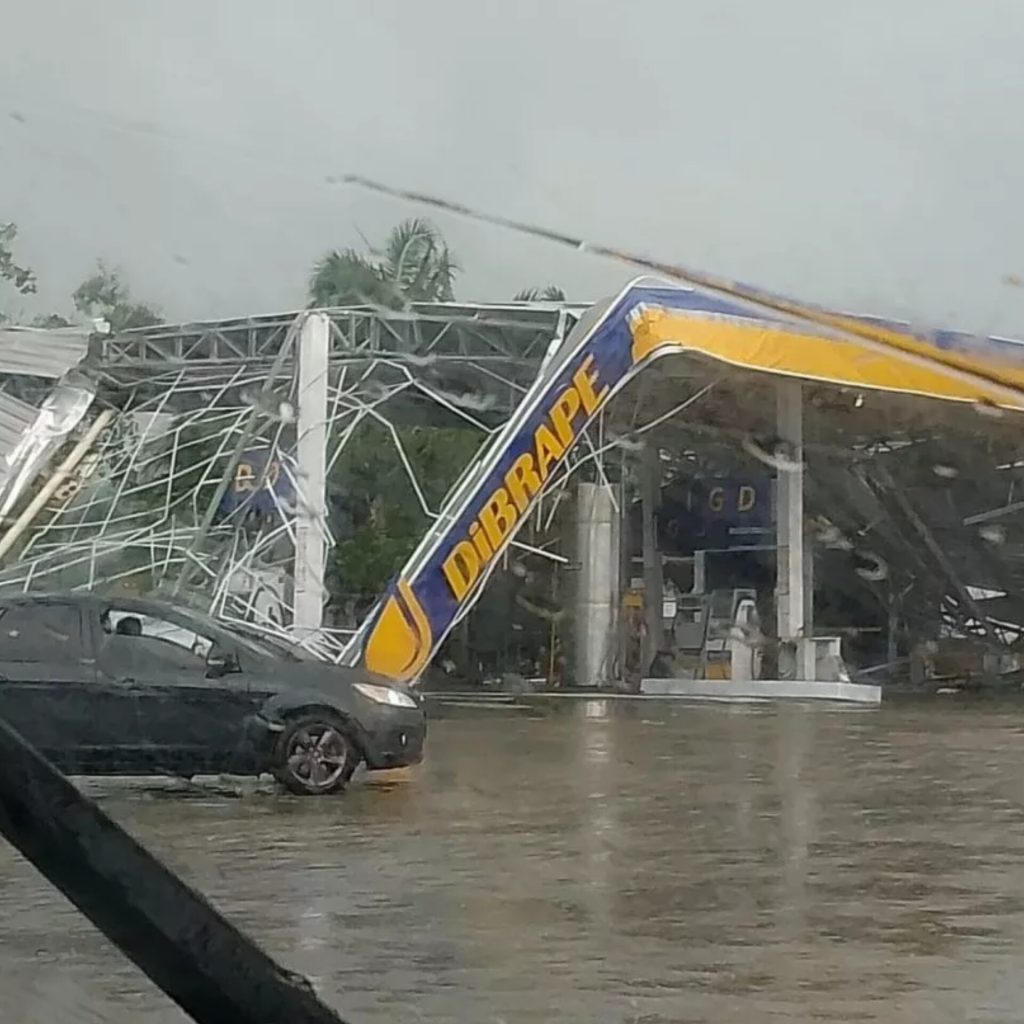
x: 311, y: 455
x: 808, y: 587
x: 595, y: 624
x: 700, y: 572
x: 789, y: 585
x: 650, y: 498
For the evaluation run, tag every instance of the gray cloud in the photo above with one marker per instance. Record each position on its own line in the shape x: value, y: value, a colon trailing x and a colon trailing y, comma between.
x: 862, y: 155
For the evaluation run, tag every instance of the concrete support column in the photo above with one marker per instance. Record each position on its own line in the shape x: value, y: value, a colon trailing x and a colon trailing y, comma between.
x: 790, y: 578
x: 311, y: 456
x: 700, y: 572
x: 650, y: 497
x: 595, y: 623
x: 808, y: 587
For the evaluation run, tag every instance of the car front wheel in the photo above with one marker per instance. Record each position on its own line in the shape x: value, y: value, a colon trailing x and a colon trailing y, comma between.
x: 315, y: 755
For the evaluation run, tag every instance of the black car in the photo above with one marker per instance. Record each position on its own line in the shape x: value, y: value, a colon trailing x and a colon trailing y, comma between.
x: 119, y: 686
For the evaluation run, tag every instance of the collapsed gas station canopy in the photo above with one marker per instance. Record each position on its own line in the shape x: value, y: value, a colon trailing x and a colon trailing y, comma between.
x: 814, y: 345
x: 612, y: 344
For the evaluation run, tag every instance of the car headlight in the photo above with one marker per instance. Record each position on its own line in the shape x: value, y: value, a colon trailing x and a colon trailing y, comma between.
x: 386, y: 695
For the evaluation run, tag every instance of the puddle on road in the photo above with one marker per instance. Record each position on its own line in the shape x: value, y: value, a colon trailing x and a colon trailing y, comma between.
x: 647, y: 862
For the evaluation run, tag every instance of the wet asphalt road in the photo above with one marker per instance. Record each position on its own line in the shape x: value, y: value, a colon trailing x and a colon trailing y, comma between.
x: 643, y: 862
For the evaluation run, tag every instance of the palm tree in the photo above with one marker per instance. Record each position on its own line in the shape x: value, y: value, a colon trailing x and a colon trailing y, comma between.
x: 415, y: 265
x: 549, y: 294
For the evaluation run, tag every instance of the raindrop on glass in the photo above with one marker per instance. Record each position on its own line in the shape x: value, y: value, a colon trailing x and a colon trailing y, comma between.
x: 985, y: 407
x: 993, y: 533
x: 777, y: 453
x: 830, y: 536
x: 870, y: 566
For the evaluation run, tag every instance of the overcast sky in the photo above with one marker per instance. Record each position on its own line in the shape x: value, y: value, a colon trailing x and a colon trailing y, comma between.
x: 866, y: 155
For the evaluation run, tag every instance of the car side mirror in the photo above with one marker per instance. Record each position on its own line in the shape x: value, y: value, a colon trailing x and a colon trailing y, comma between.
x: 221, y: 663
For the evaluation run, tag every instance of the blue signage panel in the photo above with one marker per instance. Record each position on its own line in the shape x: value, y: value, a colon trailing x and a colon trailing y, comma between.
x: 262, y: 484
x: 718, y: 513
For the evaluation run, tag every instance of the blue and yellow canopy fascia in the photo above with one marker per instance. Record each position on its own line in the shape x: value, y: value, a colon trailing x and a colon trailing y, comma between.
x: 886, y: 361
x: 649, y: 320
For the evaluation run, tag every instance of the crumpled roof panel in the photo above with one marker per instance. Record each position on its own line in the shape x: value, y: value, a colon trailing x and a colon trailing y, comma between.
x: 16, y: 417
x: 34, y: 352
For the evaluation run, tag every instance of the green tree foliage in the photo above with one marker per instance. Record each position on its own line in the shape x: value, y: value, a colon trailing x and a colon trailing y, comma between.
x: 104, y: 294
x: 377, y: 516
x: 176, y: 473
x: 12, y: 273
x: 549, y: 294
x: 415, y: 265
x: 201, y: 458
x: 51, y: 321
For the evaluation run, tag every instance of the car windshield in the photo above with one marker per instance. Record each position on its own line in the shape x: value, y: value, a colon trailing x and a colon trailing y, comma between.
x: 580, y: 448
x: 276, y: 646
x: 231, y: 633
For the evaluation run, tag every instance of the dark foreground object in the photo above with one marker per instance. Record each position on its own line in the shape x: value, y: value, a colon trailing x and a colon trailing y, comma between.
x: 124, y: 686
x: 196, y: 957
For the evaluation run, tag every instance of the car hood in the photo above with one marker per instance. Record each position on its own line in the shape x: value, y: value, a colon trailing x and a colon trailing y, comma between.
x: 288, y: 675
x: 289, y: 685
x: 321, y: 675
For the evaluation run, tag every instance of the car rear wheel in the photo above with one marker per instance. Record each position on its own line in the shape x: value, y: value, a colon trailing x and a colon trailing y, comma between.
x: 315, y: 755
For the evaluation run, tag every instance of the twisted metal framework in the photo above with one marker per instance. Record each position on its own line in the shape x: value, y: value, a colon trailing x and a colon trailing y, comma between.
x: 929, y: 489
x: 145, y: 509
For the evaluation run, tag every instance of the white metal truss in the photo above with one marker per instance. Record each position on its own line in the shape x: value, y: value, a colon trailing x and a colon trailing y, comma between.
x: 135, y: 512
